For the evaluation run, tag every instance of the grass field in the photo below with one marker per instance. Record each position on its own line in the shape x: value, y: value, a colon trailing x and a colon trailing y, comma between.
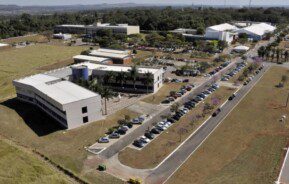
x: 16, y: 63
x: 27, y: 126
x: 161, y: 95
x: 151, y: 155
x: 30, y: 127
x: 30, y: 38
x: 248, y: 146
x: 17, y: 166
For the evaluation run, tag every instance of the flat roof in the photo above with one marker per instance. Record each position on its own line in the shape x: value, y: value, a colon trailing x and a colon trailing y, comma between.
x: 90, y: 58
x: 71, y: 25
x: 61, y: 91
x: 223, y: 27
x: 3, y: 44
x: 108, y: 54
x: 258, y: 29
x: 113, y: 51
x: 116, y: 68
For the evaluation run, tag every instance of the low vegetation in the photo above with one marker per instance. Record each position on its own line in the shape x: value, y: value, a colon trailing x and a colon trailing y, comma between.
x: 17, y: 166
x: 248, y: 146
x: 28, y: 126
x: 16, y: 63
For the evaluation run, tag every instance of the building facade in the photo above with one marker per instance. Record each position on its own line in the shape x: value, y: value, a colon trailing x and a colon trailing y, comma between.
x: 69, y: 104
x: 93, y: 29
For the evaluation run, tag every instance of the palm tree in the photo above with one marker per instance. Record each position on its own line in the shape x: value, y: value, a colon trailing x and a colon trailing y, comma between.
x: 273, y: 54
x: 148, y: 80
x: 95, y: 86
x: 278, y: 54
x: 121, y: 77
x: 109, y: 77
x: 134, y: 74
x: 106, y: 94
x: 286, y: 56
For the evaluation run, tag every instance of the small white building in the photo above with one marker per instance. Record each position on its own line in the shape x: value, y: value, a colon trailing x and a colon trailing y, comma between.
x: 62, y: 36
x: 117, y: 56
x: 257, y: 31
x: 3, y: 45
x: 241, y: 48
x: 69, y: 104
x: 225, y: 32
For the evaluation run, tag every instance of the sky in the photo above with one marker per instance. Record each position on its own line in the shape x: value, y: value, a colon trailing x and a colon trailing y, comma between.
x: 189, y: 2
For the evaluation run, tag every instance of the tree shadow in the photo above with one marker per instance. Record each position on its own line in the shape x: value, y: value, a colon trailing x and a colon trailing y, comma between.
x: 35, y: 118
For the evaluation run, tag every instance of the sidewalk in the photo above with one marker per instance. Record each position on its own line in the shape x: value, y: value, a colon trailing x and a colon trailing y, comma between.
x: 284, y: 173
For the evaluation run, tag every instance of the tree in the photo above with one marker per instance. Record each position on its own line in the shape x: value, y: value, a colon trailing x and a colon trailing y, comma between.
x: 200, y: 31
x: 106, y: 94
x: 134, y: 74
x: 148, y: 80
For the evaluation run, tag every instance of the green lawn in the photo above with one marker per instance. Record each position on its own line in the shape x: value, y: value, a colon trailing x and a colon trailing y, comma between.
x: 16, y: 63
x: 17, y: 166
x: 28, y: 126
x: 248, y: 146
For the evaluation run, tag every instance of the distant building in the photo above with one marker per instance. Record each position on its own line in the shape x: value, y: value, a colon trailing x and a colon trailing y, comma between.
x: 4, y: 45
x: 225, y: 32
x: 62, y: 36
x: 93, y: 29
x: 92, y: 59
x: 184, y: 31
x: 117, y: 56
x: 257, y: 31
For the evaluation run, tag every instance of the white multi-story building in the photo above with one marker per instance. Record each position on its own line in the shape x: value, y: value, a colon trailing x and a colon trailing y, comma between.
x: 92, y: 29
x: 66, y: 102
x: 225, y: 32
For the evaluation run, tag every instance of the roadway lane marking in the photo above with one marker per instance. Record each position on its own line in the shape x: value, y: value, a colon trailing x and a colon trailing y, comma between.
x: 216, y: 126
x: 283, y: 165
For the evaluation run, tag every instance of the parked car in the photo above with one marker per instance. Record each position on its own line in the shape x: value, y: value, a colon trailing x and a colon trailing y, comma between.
x: 186, y: 80
x: 136, y: 121
x: 216, y: 112
x: 121, y: 131
x: 103, y: 140
x: 155, y: 131
x: 138, y: 143
x: 166, y: 101
x: 171, y: 120
x: 232, y: 97
x: 144, y: 139
x: 149, y: 135
x: 114, y: 135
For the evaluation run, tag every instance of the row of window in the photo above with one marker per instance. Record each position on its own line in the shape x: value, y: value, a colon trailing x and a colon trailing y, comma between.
x: 43, y: 106
x: 62, y: 112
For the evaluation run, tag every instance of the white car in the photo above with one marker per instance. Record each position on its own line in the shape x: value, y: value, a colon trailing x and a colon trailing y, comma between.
x: 163, y: 124
x: 103, y: 140
x: 144, y: 139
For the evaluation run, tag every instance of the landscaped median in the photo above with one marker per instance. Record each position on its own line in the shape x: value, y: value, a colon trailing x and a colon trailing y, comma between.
x: 161, y: 95
x: 156, y: 151
x: 248, y: 145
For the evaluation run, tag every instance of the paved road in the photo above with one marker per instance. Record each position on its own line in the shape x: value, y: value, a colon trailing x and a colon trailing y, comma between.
x: 284, y: 174
x: 171, y: 164
x: 128, y: 139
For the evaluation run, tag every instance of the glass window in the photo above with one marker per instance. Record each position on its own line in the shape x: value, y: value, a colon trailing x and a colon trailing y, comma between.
x: 85, y: 119
x: 84, y: 110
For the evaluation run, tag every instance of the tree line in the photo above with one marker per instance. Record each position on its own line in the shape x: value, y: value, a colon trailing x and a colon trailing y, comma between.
x: 148, y: 19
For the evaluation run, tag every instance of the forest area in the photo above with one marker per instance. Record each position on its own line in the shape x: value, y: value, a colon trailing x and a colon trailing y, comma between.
x: 161, y: 19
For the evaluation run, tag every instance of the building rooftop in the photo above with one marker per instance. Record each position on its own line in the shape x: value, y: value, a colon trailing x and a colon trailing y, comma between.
x: 116, y: 68
x: 61, y: 91
x: 108, y: 54
x: 91, y: 58
x: 259, y: 29
x: 71, y: 25
x: 223, y: 27
x: 3, y: 44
